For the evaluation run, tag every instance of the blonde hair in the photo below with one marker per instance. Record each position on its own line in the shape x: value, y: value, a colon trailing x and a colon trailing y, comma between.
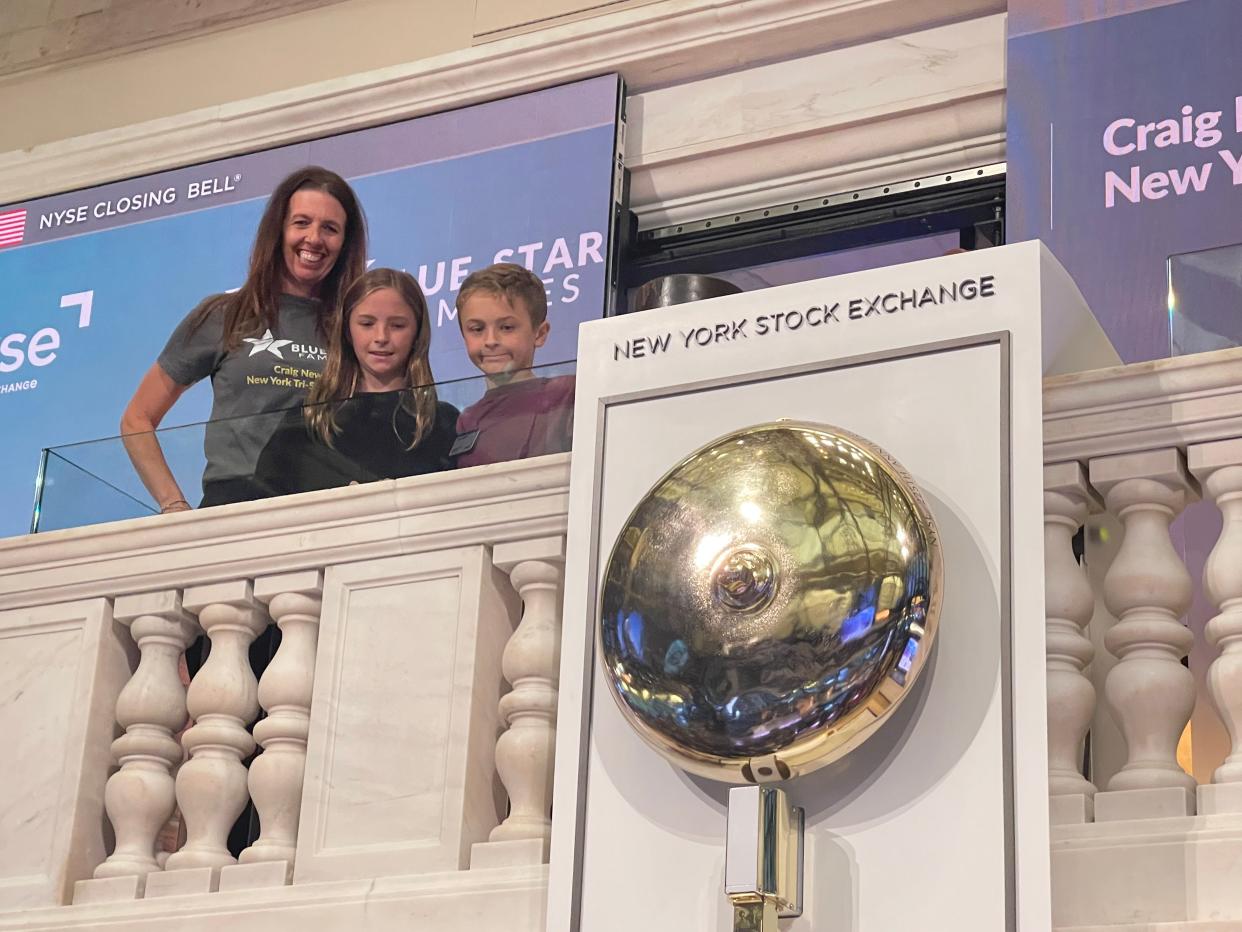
x: 510, y: 281
x: 341, y: 372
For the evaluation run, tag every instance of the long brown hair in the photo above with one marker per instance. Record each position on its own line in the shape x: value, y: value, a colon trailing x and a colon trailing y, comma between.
x: 341, y: 371
x: 253, y: 307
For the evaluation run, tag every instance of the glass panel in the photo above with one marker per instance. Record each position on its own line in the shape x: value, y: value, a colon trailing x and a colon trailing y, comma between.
x: 70, y: 496
x: 1205, y: 300
x: 468, y: 422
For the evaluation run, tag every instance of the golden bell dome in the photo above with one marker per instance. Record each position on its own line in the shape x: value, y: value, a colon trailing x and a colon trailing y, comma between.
x: 770, y: 601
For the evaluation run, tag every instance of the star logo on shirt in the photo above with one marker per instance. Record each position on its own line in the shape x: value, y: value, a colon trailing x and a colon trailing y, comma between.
x: 267, y: 342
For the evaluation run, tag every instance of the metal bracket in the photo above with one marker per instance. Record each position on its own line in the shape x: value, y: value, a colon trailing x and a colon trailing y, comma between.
x: 763, y: 857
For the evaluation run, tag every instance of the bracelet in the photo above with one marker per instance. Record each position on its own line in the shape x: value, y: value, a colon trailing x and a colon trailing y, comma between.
x: 176, y: 501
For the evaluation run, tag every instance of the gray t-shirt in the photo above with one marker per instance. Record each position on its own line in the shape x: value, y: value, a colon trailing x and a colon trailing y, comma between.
x: 269, y: 373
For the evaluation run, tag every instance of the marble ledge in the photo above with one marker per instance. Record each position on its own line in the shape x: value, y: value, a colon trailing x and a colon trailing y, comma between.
x: 190, y: 881
x: 1166, y: 802
x: 93, y: 891
x: 1155, y: 831
x: 1141, y: 406
x: 1071, y: 809
x: 481, y: 505
x: 1170, y: 874
x: 255, y: 875
x: 1220, y: 798
x: 1138, y: 382
x: 497, y: 900
x: 485, y: 855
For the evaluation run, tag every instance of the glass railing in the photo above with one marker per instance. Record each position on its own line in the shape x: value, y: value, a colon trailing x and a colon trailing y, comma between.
x: 462, y: 423
x: 1205, y: 300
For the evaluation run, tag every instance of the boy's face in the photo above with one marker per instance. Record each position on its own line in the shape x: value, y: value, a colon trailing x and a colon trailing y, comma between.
x: 499, y: 335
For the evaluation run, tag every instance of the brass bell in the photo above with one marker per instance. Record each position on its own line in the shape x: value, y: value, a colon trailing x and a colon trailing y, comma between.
x: 770, y: 602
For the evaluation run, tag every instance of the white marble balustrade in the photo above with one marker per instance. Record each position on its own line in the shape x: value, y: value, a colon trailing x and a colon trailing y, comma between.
x: 1126, y: 450
x: 1148, y: 589
x: 408, y: 715
x: 531, y: 665
x: 1219, y: 468
x: 284, y: 692
x: 223, y: 702
x: 402, y: 733
x: 151, y: 708
x: 1068, y: 602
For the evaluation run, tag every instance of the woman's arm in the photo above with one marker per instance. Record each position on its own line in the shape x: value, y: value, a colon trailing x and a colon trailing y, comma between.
x: 157, y: 392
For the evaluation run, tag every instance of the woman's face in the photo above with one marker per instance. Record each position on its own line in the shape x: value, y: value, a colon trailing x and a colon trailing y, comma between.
x: 382, y: 330
x: 313, y: 236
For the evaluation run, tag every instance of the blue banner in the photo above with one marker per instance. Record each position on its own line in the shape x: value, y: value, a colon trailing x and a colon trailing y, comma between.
x: 95, y: 280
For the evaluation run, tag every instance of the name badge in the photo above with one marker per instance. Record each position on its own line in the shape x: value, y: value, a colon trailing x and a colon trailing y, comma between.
x: 464, y: 443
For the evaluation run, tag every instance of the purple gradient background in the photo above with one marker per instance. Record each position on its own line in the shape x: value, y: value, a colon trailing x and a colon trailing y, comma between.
x: 1065, y: 86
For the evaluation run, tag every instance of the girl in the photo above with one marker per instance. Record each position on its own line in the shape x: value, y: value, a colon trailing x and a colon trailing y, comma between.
x: 373, y: 413
x: 311, y: 242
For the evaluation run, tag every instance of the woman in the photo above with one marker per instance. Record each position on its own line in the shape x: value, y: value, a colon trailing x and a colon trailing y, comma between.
x: 373, y: 414
x: 261, y: 346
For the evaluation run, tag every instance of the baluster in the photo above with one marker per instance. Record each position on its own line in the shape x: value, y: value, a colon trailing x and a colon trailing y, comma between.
x: 139, y: 798
x: 294, y: 601
x: 1147, y: 588
x: 211, y: 785
x: 1068, y: 602
x: 531, y: 662
x: 1218, y: 467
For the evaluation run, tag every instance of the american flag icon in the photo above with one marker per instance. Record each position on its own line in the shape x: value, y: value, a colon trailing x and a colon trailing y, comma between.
x: 12, y: 227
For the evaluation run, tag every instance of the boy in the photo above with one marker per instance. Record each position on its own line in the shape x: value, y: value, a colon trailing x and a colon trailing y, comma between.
x: 502, y: 311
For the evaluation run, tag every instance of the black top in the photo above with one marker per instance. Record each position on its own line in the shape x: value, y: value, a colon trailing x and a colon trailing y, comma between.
x: 375, y: 431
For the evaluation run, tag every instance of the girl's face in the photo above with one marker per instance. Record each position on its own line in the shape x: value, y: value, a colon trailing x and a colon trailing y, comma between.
x: 382, y: 329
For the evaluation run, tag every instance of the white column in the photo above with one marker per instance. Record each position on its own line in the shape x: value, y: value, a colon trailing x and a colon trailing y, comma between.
x: 1147, y: 588
x: 1219, y: 467
x: 211, y: 785
x: 1068, y: 604
x: 531, y: 663
x: 294, y: 601
x: 139, y: 798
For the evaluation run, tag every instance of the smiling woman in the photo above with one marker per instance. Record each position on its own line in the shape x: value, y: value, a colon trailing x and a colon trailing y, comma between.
x: 310, y: 244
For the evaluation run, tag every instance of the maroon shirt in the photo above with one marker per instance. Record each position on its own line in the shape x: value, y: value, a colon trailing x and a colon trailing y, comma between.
x: 530, y: 417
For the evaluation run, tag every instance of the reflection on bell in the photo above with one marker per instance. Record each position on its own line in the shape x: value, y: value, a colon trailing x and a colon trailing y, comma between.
x: 770, y: 601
